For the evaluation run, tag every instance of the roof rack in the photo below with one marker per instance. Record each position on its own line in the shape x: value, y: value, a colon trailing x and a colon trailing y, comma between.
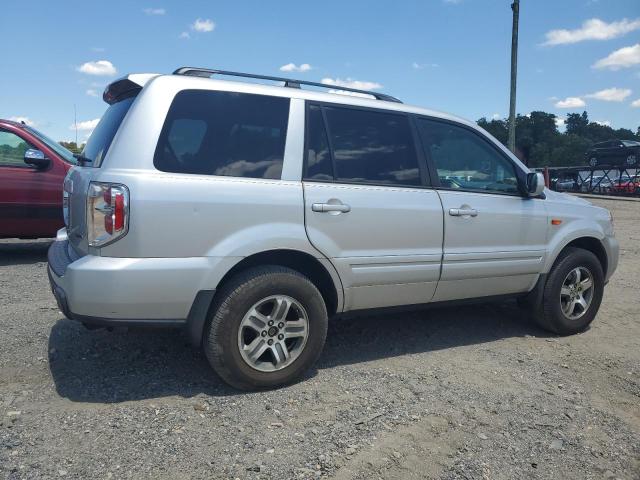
x: 288, y: 82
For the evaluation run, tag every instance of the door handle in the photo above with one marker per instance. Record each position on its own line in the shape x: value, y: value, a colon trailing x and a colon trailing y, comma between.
x: 463, y: 212
x: 330, y: 207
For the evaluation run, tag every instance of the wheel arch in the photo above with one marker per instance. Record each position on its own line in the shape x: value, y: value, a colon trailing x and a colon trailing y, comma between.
x: 591, y: 244
x: 315, y: 269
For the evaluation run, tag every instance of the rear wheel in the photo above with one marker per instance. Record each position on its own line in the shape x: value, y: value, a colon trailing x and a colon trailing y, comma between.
x: 268, y: 329
x: 572, y: 293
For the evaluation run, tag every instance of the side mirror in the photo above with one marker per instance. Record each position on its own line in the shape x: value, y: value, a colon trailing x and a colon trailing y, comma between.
x: 535, y: 184
x: 36, y: 158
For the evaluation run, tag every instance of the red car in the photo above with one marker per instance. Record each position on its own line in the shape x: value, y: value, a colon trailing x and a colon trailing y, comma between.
x: 626, y: 185
x: 32, y: 171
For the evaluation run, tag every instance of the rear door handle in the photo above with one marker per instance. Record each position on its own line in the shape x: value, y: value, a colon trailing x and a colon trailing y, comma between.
x: 330, y: 207
x: 463, y: 212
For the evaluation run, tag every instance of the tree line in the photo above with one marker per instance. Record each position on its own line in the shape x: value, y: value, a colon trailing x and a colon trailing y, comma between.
x: 539, y: 143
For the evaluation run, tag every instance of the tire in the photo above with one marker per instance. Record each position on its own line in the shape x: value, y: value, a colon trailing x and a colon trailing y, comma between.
x: 226, y: 332
x: 551, y: 316
x: 593, y: 161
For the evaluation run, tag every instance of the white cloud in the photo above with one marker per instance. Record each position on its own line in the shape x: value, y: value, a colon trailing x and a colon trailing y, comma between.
x: 636, y: 103
x: 560, y: 121
x: 27, y: 121
x: 154, y: 11
x: 611, y: 94
x: 201, y: 25
x: 292, y: 67
x: 351, y: 83
x: 101, y: 67
x: 604, y: 123
x: 184, y: 35
x: 420, y: 66
x: 496, y: 116
x: 87, y: 125
x: 93, y: 93
x: 622, y: 58
x: 593, y: 29
x: 570, y: 102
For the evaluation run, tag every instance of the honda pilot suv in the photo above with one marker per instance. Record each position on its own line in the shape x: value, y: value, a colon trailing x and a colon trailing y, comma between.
x: 250, y: 213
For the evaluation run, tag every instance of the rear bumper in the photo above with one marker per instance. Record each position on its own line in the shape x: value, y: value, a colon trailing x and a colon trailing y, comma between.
x: 149, y: 292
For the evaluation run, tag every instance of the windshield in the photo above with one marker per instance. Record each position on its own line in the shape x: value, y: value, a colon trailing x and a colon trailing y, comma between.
x: 66, y: 155
x: 96, y: 148
x: 630, y: 143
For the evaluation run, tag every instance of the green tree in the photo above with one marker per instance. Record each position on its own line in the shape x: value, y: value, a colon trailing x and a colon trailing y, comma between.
x: 540, y: 144
x: 576, y: 123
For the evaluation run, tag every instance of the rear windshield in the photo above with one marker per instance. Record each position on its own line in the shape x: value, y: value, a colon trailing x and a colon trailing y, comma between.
x: 96, y: 148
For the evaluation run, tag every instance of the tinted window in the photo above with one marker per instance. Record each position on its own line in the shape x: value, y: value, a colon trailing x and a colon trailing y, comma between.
x: 96, y: 148
x: 466, y: 161
x: 319, y: 165
x: 224, y: 133
x: 372, y: 147
x: 12, y: 149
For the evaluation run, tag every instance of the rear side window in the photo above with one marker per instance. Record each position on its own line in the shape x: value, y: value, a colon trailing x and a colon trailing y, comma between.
x: 367, y: 146
x: 224, y: 133
x: 96, y: 148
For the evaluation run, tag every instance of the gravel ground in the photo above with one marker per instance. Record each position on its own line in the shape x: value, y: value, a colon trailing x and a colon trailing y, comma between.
x: 467, y: 392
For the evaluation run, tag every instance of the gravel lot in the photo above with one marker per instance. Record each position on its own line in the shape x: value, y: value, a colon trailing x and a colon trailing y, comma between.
x: 468, y: 392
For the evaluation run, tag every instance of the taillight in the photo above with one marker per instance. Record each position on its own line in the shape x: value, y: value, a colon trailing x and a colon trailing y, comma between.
x: 67, y: 190
x: 107, y: 213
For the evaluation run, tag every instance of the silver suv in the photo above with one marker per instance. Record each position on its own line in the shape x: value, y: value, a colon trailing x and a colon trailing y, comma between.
x: 250, y: 213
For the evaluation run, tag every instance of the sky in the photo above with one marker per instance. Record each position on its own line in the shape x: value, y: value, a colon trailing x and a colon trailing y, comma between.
x: 448, y: 55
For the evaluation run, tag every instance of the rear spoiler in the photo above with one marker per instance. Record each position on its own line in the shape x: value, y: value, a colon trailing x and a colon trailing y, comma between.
x: 126, y: 87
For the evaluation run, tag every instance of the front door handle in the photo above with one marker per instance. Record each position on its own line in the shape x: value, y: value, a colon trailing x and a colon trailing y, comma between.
x: 330, y: 207
x: 463, y: 212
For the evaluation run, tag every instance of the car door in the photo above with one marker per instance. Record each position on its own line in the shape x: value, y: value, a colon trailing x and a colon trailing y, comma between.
x: 368, y: 207
x: 495, y: 238
x: 30, y: 199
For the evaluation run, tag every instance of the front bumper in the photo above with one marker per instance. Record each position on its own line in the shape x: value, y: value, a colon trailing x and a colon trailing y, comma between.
x: 612, y: 247
x: 110, y: 291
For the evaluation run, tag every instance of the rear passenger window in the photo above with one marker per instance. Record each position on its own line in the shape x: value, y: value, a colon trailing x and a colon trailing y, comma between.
x: 367, y: 147
x: 319, y: 165
x: 224, y: 133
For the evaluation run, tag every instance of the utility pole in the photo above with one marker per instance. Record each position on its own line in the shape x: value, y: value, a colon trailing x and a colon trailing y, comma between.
x: 515, y: 6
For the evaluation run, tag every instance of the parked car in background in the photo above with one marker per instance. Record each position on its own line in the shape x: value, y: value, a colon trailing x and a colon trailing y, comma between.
x: 627, y: 185
x: 32, y: 170
x: 249, y: 214
x: 597, y: 184
x: 565, y: 184
x: 622, y: 153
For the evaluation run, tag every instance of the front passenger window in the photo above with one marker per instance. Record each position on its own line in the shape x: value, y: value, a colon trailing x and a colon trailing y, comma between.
x: 12, y: 150
x: 465, y: 161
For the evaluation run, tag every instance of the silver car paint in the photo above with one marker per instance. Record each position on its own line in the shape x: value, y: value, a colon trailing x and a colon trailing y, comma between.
x: 395, y: 246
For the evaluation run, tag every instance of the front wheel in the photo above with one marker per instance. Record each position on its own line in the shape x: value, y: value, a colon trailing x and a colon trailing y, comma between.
x: 572, y: 293
x: 268, y: 329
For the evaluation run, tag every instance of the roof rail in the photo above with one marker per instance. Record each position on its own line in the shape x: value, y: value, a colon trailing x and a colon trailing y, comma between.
x: 288, y: 82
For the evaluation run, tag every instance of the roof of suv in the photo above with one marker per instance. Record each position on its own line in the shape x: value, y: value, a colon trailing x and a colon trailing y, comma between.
x: 335, y: 93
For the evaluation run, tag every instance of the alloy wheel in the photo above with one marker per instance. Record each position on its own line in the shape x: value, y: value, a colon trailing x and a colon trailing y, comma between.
x: 273, y: 333
x: 576, y: 293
